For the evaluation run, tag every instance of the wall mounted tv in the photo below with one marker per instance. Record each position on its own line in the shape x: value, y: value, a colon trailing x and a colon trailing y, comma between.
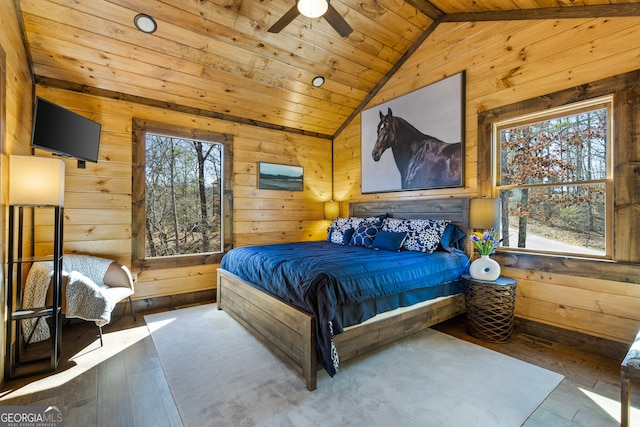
x: 64, y: 132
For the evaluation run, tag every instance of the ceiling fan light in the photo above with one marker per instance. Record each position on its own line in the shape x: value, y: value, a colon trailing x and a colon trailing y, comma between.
x: 313, y: 8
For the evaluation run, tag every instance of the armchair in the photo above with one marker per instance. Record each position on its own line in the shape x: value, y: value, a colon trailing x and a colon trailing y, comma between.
x: 91, y: 288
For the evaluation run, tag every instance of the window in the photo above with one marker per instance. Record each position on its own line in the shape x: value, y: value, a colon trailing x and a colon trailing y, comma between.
x: 553, y: 174
x: 183, y: 197
x: 622, y: 235
x: 180, y: 179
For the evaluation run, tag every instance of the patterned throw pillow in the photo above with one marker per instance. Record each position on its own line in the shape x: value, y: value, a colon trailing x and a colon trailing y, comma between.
x: 374, y: 220
x: 423, y: 235
x: 342, y: 229
x: 365, y: 234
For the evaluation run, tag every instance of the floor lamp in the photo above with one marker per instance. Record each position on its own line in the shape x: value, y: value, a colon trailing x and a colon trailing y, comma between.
x: 34, y: 182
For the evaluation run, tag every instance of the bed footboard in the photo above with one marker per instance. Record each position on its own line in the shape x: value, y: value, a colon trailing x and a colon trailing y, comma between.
x: 290, y: 332
x: 393, y: 326
x: 286, y: 330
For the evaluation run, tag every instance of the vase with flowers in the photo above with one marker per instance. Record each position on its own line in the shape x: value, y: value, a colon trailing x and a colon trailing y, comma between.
x: 485, y: 268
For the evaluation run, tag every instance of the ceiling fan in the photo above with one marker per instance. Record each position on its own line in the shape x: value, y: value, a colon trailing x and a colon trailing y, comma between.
x: 313, y: 9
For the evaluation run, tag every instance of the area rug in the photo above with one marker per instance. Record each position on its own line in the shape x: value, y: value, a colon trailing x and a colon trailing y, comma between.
x: 220, y: 375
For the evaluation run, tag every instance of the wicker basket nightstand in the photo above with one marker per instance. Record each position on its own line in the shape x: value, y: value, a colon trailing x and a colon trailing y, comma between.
x: 490, y: 308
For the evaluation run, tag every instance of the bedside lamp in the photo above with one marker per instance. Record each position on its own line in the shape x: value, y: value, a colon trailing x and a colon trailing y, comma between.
x: 484, y: 213
x: 36, y: 181
x: 331, y: 209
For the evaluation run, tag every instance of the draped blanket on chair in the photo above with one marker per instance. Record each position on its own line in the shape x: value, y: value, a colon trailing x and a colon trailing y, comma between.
x: 84, y: 296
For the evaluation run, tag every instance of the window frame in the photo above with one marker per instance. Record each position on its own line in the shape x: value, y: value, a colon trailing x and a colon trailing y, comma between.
x: 569, y: 109
x: 625, y: 263
x: 140, y: 128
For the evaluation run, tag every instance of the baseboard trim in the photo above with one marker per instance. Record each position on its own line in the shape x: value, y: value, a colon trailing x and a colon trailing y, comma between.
x: 601, y: 346
x: 146, y: 305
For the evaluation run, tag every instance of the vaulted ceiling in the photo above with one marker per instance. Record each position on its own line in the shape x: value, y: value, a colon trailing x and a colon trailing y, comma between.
x: 216, y: 57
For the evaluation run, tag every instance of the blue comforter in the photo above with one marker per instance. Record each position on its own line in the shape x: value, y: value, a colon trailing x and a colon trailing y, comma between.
x: 320, y: 276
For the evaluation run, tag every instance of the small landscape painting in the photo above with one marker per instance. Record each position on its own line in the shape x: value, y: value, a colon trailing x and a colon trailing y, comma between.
x: 272, y: 176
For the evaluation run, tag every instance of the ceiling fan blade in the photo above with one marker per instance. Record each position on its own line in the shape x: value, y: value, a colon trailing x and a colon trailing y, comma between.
x: 286, y: 19
x: 337, y: 22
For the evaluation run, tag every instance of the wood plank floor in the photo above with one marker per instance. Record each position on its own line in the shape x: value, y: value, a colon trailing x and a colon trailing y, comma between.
x: 122, y: 383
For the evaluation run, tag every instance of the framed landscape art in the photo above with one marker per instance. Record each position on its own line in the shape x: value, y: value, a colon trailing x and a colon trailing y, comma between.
x: 272, y: 176
x: 416, y: 141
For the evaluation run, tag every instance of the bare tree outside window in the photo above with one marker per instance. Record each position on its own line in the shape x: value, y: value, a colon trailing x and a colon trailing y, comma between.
x: 552, y: 178
x: 183, y: 196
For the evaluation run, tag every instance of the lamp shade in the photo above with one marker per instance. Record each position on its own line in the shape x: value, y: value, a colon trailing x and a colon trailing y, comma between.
x: 484, y: 213
x: 331, y: 209
x: 36, y: 181
x: 313, y: 8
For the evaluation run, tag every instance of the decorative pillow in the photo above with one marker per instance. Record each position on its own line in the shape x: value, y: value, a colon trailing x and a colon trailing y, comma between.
x: 340, y: 237
x: 373, y: 220
x: 423, y: 235
x: 365, y: 234
x: 342, y: 229
x: 389, y: 240
x: 452, y: 238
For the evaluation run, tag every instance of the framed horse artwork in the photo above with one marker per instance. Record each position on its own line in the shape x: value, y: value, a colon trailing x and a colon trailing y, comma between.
x: 416, y: 141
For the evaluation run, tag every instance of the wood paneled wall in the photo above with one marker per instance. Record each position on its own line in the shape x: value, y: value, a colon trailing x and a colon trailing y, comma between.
x: 16, y: 91
x: 507, y: 62
x: 98, y: 198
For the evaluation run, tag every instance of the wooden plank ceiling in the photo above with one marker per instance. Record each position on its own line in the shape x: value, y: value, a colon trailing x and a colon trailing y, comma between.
x: 216, y: 57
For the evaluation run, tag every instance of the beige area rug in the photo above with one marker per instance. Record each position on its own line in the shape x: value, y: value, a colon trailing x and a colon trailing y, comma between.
x: 220, y: 375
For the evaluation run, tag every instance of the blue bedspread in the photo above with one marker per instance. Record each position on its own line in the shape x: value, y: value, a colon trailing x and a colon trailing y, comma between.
x: 320, y: 276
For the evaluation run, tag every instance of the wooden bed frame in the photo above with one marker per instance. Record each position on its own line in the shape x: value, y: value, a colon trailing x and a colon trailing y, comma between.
x: 290, y: 332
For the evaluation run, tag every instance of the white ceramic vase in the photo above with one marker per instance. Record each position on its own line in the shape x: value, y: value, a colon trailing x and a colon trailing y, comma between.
x: 485, y: 268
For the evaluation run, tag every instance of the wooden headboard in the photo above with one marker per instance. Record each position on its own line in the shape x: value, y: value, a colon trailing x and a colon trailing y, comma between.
x: 455, y: 209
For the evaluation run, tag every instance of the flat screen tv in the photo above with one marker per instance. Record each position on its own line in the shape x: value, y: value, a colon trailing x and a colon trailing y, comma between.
x: 64, y: 132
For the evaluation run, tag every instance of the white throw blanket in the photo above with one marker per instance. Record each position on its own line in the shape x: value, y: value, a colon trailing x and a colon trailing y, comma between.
x: 85, y: 299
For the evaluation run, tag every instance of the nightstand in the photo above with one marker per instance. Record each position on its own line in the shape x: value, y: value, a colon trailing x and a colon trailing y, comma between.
x: 490, y: 308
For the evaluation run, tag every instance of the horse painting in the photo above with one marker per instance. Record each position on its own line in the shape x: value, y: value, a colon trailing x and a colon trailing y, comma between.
x: 422, y: 160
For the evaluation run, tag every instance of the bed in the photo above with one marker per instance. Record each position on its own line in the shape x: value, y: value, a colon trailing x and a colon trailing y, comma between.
x: 305, y: 318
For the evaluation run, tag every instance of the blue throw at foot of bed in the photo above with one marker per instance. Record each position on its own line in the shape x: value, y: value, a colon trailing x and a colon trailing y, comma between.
x: 344, y: 285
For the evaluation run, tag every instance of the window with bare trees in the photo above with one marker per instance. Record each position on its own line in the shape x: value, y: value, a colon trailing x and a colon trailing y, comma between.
x: 553, y: 174
x: 183, y: 183
x: 180, y: 185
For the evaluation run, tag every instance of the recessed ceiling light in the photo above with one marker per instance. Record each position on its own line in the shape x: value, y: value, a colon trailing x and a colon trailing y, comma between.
x: 317, y: 81
x: 145, y: 23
